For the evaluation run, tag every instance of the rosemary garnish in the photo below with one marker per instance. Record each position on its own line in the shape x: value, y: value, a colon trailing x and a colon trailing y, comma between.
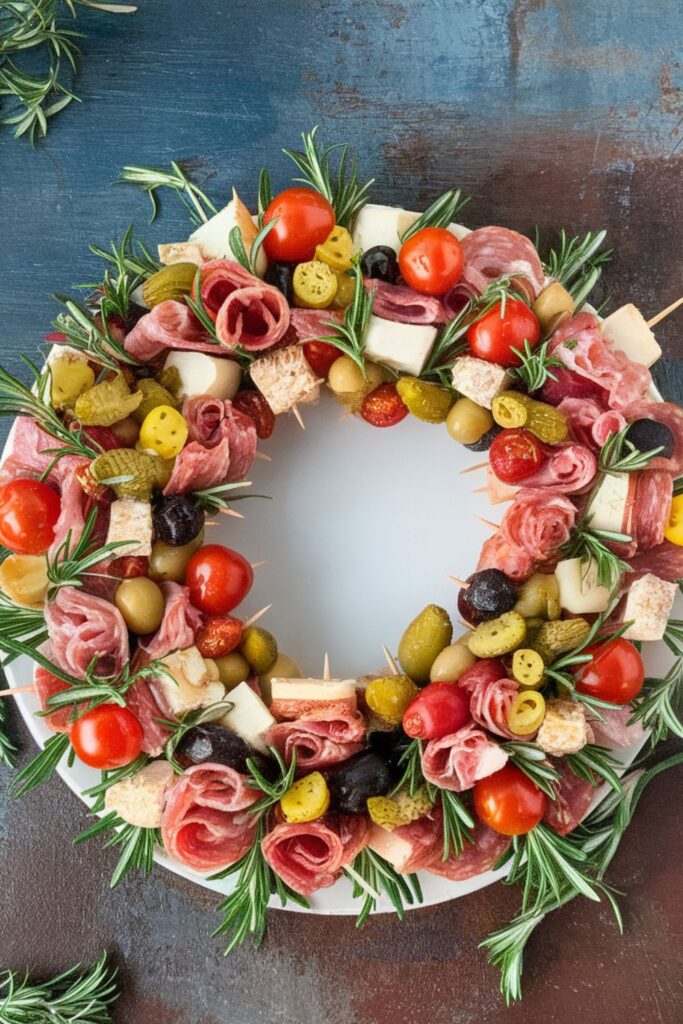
x: 265, y: 194
x: 544, y: 862
x: 76, y: 996
x: 656, y: 706
x: 535, y: 368
x: 7, y: 748
x: 596, y: 764
x: 212, y: 498
x: 197, y: 306
x: 248, y: 260
x: 372, y: 875
x: 41, y: 766
x: 21, y: 623
x: 110, y: 778
x: 68, y: 566
x: 619, y: 455
x: 188, y: 721
x: 589, y: 543
x: 577, y: 263
x: 533, y: 761
x: 125, y: 271
x: 85, y: 694
x: 83, y: 333
x: 442, y: 212
x: 138, y: 844
x: 349, y: 336
x: 343, y: 191
x: 149, y: 179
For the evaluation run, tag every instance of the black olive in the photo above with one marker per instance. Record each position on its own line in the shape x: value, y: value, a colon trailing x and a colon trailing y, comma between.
x: 391, y: 746
x: 380, y: 262
x: 648, y: 434
x: 484, y: 442
x: 490, y: 593
x: 281, y: 275
x: 214, y: 743
x: 177, y: 520
x: 366, y: 774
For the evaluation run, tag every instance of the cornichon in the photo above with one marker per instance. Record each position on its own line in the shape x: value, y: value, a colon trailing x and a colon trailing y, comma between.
x: 172, y: 282
x: 131, y: 474
x: 554, y: 638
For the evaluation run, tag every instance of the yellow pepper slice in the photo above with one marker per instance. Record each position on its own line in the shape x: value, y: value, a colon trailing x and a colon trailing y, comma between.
x: 337, y: 249
x: 526, y: 713
x: 315, y: 285
x: 528, y: 668
x: 307, y: 799
x: 674, y: 530
x: 163, y: 431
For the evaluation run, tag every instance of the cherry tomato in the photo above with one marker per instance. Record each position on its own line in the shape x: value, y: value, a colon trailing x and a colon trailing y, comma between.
x: 107, y: 737
x: 495, y: 334
x: 615, y: 674
x: 438, y: 710
x: 514, y: 455
x: 219, y: 635
x: 509, y: 802
x: 219, y: 579
x: 431, y: 261
x: 383, y: 407
x: 304, y: 220
x: 254, y: 405
x: 29, y: 511
x: 320, y: 355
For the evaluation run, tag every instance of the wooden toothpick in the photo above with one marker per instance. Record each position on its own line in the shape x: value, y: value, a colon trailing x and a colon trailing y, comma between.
x: 256, y: 617
x: 665, y: 312
x: 487, y: 522
x: 460, y: 583
x: 257, y: 565
x: 390, y: 661
x: 479, y: 490
x: 12, y: 690
x: 232, y: 512
x: 327, y: 675
x: 262, y: 456
x: 299, y: 418
x: 471, y: 469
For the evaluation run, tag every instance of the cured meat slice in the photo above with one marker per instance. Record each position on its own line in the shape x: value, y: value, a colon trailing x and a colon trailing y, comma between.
x: 206, y: 821
x: 198, y: 467
x: 652, y: 509
x: 538, y: 522
x: 672, y: 416
x: 85, y: 629
x: 403, y: 305
x: 71, y: 514
x: 179, y: 625
x: 319, y: 738
x: 571, y: 467
x: 494, y: 252
x: 610, y: 422
x: 457, y: 298
x: 589, y: 422
x: 170, y: 324
x: 475, y: 858
x: 144, y: 704
x: 665, y: 561
x: 240, y: 431
x: 410, y: 847
x: 312, y: 324
x: 573, y: 798
x: 498, y: 553
x: 455, y: 762
x: 566, y: 384
x: 247, y: 312
x: 211, y: 421
x: 613, y: 730
x: 312, y: 856
x: 219, y: 279
x: 46, y: 686
x: 29, y: 454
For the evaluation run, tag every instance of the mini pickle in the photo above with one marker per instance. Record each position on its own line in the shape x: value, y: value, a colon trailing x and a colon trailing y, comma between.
x: 498, y: 636
x: 389, y: 696
x: 559, y: 637
x: 306, y: 800
x: 171, y: 282
x: 106, y: 403
x: 314, y: 284
x: 427, y: 402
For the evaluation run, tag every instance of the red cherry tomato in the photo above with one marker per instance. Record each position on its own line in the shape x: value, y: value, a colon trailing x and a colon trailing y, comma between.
x: 219, y: 635
x: 107, y: 737
x: 219, y: 579
x: 514, y: 455
x: 320, y: 355
x: 509, y: 802
x: 431, y: 261
x: 438, y: 710
x: 383, y: 407
x: 254, y: 405
x: 615, y: 674
x: 495, y: 334
x: 29, y: 511
x: 304, y: 220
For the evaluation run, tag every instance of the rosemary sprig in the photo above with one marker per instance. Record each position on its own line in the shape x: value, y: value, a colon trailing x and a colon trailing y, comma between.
x: 150, y: 179
x: 85, y: 694
x: 138, y: 844
x: 561, y: 671
x: 412, y: 778
x: 589, y: 543
x: 76, y: 996
x: 265, y: 194
x: 248, y: 260
x: 656, y: 707
x: 544, y: 862
x: 20, y: 623
x: 343, y: 191
x: 533, y: 761
x: 596, y: 764
x: 69, y: 565
x: 577, y: 263
x: 442, y: 212
x: 536, y: 366
x: 372, y: 875
x: 349, y: 336
x: 83, y: 333
x: 619, y: 455
x: 272, y: 791
x: 212, y: 498
x: 126, y: 269
x: 7, y: 748
x: 41, y: 766
x: 188, y: 721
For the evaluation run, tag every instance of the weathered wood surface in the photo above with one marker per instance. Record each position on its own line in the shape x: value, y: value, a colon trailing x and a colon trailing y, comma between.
x: 549, y: 114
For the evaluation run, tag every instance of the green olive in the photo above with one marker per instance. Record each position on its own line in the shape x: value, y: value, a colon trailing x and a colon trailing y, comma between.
x: 451, y: 663
x: 539, y: 597
x: 259, y: 647
x: 552, y: 302
x: 141, y: 604
x: 232, y: 669
x: 168, y: 562
x: 283, y: 667
x: 467, y: 422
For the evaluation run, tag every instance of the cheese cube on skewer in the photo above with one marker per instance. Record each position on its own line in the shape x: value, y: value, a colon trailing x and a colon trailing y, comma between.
x: 627, y: 331
x: 580, y: 592
x: 648, y: 605
x: 381, y: 225
x: 191, y: 685
x: 131, y: 520
x: 479, y: 380
x: 249, y: 717
x: 403, y: 347
x: 285, y: 378
x: 211, y: 241
x: 201, y: 374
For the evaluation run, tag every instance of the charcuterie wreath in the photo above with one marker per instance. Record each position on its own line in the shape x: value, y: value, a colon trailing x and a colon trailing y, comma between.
x: 497, y: 746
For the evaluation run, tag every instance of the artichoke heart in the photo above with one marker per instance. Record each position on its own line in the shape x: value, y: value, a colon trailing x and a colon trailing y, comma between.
x: 131, y: 474
x: 107, y: 403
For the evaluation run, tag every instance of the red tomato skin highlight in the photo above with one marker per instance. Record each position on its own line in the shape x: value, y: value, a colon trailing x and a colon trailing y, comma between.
x: 493, y: 336
x: 304, y: 220
x: 431, y: 261
x: 29, y: 511
x: 615, y: 674
x: 515, y: 454
x: 219, y: 579
x: 509, y: 802
x: 438, y: 710
x: 108, y: 736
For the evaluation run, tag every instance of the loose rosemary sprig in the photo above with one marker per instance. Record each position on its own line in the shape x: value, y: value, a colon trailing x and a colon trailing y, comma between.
x: 349, y: 336
x: 20, y: 623
x: 41, y: 766
x: 590, y: 543
x: 536, y: 365
x: 619, y: 455
x: 83, y: 333
x: 544, y: 862
x: 213, y: 500
x: 577, y: 263
x: 248, y: 260
x: 80, y: 995
x: 7, y: 748
x: 126, y: 269
x: 150, y: 179
x: 343, y: 189
x: 534, y: 762
x: 372, y: 875
x: 265, y: 194
x: 596, y: 764
x: 658, y: 706
x: 442, y: 212
x: 188, y: 721
x: 138, y: 844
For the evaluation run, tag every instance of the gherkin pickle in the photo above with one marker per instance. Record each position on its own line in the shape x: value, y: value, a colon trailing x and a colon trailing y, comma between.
x: 427, y: 402
x: 389, y: 696
x: 259, y: 647
x: 423, y: 640
x: 153, y: 395
x: 171, y: 282
x: 497, y: 636
x: 106, y: 403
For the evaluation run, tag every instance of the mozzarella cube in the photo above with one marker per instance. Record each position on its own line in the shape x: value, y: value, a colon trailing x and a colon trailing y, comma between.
x: 211, y: 240
x: 611, y: 505
x: 648, y: 605
x: 201, y: 374
x: 479, y: 380
x: 285, y: 378
x: 580, y: 592
x: 627, y: 331
x: 139, y: 799
x: 249, y: 717
x: 191, y: 685
x: 403, y: 347
x: 564, y: 729
x: 381, y: 225
x: 130, y: 520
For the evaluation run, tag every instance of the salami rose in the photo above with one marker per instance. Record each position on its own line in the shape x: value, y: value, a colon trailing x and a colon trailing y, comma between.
x: 498, y: 553
x: 538, y: 522
x: 179, y: 625
x: 570, y: 467
x: 219, y: 279
x: 171, y: 324
x: 84, y: 628
x: 312, y: 856
x: 211, y: 421
x: 197, y: 468
x: 455, y: 762
x: 253, y: 318
x: 495, y: 252
x: 475, y: 858
x: 319, y: 738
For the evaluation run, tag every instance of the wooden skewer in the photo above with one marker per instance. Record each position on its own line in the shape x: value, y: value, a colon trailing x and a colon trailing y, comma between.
x: 390, y: 661
x: 327, y: 675
x: 460, y: 583
x: 467, y: 625
x: 12, y: 690
x: 256, y: 617
x: 487, y: 522
x: 665, y: 312
x: 346, y: 415
x: 479, y: 490
x: 299, y: 418
x: 262, y: 456
x: 257, y: 565
x: 471, y: 469
x: 232, y: 512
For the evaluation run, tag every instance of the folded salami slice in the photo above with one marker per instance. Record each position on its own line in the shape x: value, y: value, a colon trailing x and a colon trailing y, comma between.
x: 211, y: 420
x: 403, y: 305
x: 319, y: 738
x: 255, y: 317
x: 197, y: 468
x: 498, y: 553
x: 672, y: 416
x: 665, y: 561
x: 206, y: 821
x: 84, y: 628
x: 410, y: 847
x: 613, y: 729
x: 149, y: 709
x: 29, y: 454
x: 312, y: 324
x: 590, y: 423
x: 494, y: 252
x: 178, y: 627
x: 571, y: 467
x: 312, y: 856
x: 573, y: 798
x: 219, y: 279
x: 475, y: 858
x: 171, y: 324
x: 46, y: 686
x: 490, y: 702
x: 538, y: 521
x: 652, y: 509
x: 455, y: 762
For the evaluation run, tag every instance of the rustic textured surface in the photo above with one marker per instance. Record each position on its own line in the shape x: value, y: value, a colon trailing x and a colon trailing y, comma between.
x: 548, y: 113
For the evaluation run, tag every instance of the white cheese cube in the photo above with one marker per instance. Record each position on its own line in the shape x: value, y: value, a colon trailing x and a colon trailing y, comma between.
x: 381, y: 225
x: 201, y: 374
x: 627, y: 331
x: 580, y: 592
x: 403, y: 347
x: 139, y: 800
x: 191, y: 686
x: 285, y: 378
x: 564, y: 729
x: 479, y: 380
x: 211, y: 241
x: 249, y: 718
x: 648, y: 606
x: 459, y: 230
x: 611, y: 507
x: 313, y: 689
x: 131, y: 520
